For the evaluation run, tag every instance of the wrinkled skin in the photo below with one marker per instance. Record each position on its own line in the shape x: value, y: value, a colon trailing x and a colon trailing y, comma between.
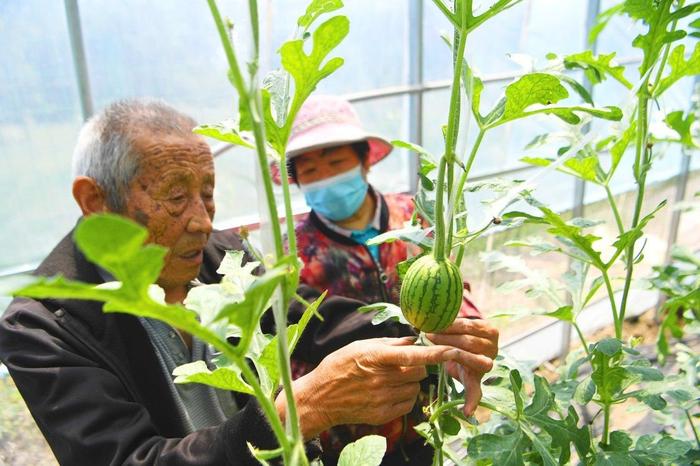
x: 477, y: 337
x: 172, y: 195
x: 375, y: 381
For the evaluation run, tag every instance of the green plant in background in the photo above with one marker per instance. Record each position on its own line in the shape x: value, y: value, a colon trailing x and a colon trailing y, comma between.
x: 546, y: 428
x: 618, y: 372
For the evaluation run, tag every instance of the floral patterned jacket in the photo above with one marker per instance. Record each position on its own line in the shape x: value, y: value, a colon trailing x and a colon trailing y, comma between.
x: 337, y: 263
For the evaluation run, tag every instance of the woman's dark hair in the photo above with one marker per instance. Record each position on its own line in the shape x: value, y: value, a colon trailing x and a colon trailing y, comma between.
x: 361, y: 148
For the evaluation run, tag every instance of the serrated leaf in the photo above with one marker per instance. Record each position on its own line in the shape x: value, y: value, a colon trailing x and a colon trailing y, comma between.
x: 680, y: 68
x: 597, y: 68
x: 223, y: 378
x: 308, y: 70
x: 537, y: 93
x: 367, y: 451
x: 564, y: 432
x: 658, y: 16
x: 682, y: 126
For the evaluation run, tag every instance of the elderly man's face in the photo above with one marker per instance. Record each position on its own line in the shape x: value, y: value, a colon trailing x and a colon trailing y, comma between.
x: 173, y: 196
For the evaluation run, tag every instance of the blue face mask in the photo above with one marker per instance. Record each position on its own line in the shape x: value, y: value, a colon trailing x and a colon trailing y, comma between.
x: 337, y: 197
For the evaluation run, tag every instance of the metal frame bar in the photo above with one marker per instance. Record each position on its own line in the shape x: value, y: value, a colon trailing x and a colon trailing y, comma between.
x: 82, y: 77
x: 414, y: 31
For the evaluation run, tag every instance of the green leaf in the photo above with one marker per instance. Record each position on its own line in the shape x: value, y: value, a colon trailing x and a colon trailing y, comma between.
x: 563, y: 313
x: 223, y: 377
x: 506, y: 450
x: 620, y: 441
x: 367, y: 451
x: 586, y: 168
x: 308, y: 70
x: 577, y: 88
x: 315, y: 9
x: 276, y: 137
x: 563, y: 432
x: 225, y: 131
x: 682, y: 126
x: 602, y: 21
x: 658, y: 16
x: 246, y: 314
x: 428, y: 163
x: 535, y: 88
x: 116, y: 244
x: 659, y: 449
x: 617, y: 151
x: 608, y: 346
x: 414, y: 234
x: 613, y: 458
x: 630, y: 236
x: 537, y: 93
x: 385, y: 312
x: 680, y: 68
x: 448, y: 424
x: 584, y: 391
x: 516, y: 383
x: 269, y: 357
x: 597, y: 68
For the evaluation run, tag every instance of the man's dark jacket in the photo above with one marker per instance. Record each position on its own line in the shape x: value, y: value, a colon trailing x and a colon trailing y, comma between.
x: 96, y: 389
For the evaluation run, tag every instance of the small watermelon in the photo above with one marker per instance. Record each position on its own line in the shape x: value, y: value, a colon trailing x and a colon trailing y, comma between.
x: 431, y: 293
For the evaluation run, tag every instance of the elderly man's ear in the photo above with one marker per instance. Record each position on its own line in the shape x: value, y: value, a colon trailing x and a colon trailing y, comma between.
x: 89, y: 196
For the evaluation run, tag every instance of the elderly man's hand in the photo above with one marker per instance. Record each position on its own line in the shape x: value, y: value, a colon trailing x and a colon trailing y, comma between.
x: 371, y: 382
x: 475, y: 336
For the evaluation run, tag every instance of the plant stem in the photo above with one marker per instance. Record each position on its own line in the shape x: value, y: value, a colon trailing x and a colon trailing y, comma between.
x: 616, y: 212
x: 439, y: 439
x: 606, y: 424
x: 584, y: 343
x: 444, y: 407
x: 453, y: 119
x: 692, y: 426
x: 641, y: 167
x: 252, y: 101
x: 439, y: 250
x: 611, y: 297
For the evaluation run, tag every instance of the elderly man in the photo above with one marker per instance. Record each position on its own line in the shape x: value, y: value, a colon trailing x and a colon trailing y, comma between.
x: 99, y: 385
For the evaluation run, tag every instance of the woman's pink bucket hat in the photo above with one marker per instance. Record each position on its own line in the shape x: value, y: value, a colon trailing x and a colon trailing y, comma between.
x: 328, y: 121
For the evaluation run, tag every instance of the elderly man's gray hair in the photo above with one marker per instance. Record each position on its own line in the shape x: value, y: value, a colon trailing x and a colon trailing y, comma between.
x: 106, y: 149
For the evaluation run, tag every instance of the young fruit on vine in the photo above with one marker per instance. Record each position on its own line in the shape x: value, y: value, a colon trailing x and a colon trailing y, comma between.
x: 431, y: 293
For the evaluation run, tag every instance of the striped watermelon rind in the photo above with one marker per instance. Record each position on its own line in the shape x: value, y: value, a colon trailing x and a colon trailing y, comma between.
x: 431, y: 293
